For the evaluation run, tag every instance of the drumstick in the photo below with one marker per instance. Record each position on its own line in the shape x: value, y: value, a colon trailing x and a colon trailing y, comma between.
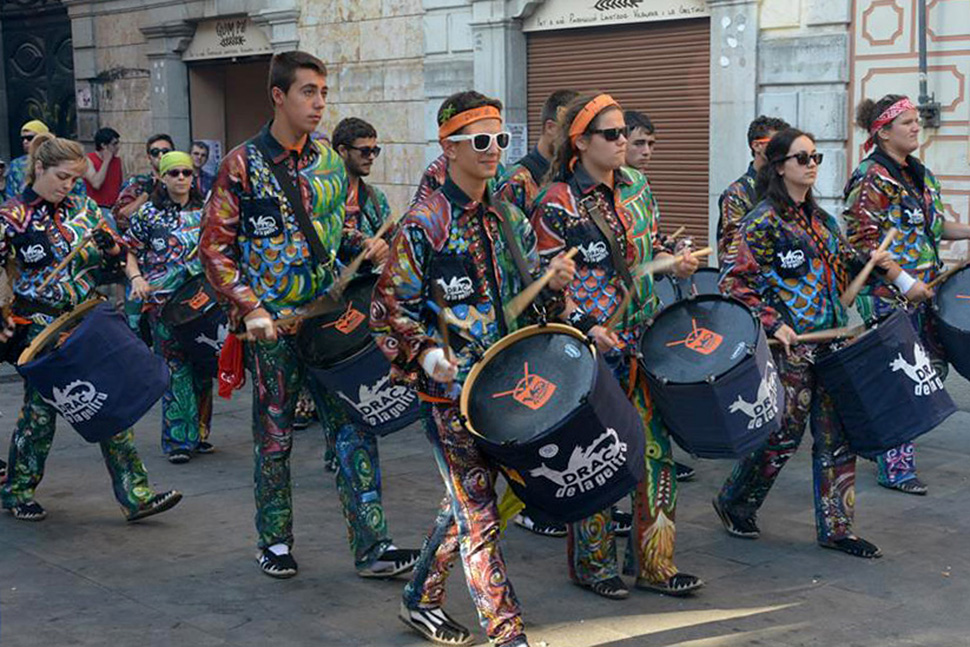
x: 521, y: 301
x: 679, y: 231
x: 829, y: 334
x: 855, y: 286
x: 85, y: 239
x: 947, y: 274
x: 661, y: 265
x: 355, y: 264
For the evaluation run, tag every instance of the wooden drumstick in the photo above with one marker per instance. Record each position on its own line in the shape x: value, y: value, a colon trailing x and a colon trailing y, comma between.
x: 661, y: 265
x: 829, y: 334
x: 855, y: 286
x: 677, y: 233
x: 85, y: 239
x: 947, y: 274
x: 355, y: 264
x: 523, y: 299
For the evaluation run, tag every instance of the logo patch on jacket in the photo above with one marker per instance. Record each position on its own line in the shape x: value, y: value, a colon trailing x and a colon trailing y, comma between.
x: 792, y: 259
x: 456, y: 288
x: 595, y: 251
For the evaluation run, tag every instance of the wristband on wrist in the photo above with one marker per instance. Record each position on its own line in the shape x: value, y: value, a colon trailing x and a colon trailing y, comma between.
x: 581, y: 321
x: 136, y: 276
x: 904, y: 281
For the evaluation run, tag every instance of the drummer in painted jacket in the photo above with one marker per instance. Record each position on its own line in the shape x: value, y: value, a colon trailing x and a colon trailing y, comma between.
x: 455, y: 239
x: 592, y: 192
x: 792, y: 264
x: 163, y: 241
x: 38, y: 229
x: 891, y: 188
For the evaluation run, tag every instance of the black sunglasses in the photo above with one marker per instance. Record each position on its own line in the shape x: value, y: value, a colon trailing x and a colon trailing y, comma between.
x: 174, y: 173
x: 611, y: 134
x: 367, y: 151
x: 155, y: 152
x: 27, y: 138
x: 803, y: 158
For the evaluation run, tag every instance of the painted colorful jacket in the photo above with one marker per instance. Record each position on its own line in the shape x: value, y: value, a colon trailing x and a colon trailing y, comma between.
x: 434, y: 178
x: 881, y: 195
x: 39, y: 235
x: 362, y: 220
x: 252, y: 248
x: 791, y: 266
x: 130, y: 191
x: 17, y: 180
x: 164, y: 237
x: 450, y: 248
x: 521, y: 182
x: 733, y: 205
x: 562, y: 220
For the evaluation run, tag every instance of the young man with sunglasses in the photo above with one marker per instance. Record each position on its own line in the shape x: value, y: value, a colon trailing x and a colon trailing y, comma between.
x: 459, y: 236
x: 740, y: 197
x: 138, y: 188
x: 17, y: 171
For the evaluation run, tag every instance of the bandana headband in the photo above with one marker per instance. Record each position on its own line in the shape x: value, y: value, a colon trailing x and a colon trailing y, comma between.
x: 886, y: 118
x: 588, y: 114
x: 462, y: 119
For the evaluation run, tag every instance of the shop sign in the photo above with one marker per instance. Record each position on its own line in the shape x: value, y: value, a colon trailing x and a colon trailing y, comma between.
x: 227, y: 38
x: 570, y: 14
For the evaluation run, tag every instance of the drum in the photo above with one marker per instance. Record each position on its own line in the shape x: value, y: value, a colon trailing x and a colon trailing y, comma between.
x: 200, y: 326
x: 712, y: 377
x: 884, y: 387
x: 706, y: 280
x: 94, y: 371
x: 951, y: 307
x: 667, y: 290
x: 670, y: 290
x: 338, y: 348
x: 545, y: 407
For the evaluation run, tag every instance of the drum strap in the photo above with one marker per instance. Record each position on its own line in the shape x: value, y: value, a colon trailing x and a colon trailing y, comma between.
x: 365, y: 195
x: 592, y: 208
x: 433, y: 399
x: 290, y: 185
x: 513, y: 244
x: 633, y: 378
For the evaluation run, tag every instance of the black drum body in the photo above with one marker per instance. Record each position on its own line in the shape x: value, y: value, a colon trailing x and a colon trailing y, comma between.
x: 200, y: 325
x: 706, y: 280
x: 884, y: 387
x: 547, y: 409
x: 670, y: 290
x: 340, y: 352
x: 712, y: 377
x: 951, y: 307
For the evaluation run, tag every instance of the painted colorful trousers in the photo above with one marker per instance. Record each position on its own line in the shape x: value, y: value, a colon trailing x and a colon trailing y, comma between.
x: 833, y: 464
x: 898, y: 465
x: 278, y: 374
x: 591, y: 544
x: 467, y: 524
x: 31, y: 443
x: 187, y: 403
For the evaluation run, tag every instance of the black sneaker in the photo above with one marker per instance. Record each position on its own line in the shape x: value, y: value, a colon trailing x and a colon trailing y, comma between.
x: 523, y: 520
x: 436, y: 625
x: 622, y: 523
x: 684, y: 472
x: 205, y: 448
x: 393, y: 561
x: 3, y: 469
x: 279, y: 566
x: 746, y: 528
x: 29, y: 511
x: 179, y: 456
x: 156, y: 505
x: 330, y: 462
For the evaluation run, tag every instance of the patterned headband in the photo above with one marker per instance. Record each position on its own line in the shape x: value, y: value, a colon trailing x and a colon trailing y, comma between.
x: 886, y: 118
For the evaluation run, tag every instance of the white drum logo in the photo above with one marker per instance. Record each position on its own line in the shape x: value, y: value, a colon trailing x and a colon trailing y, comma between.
x: 921, y: 371
x: 382, y: 402
x: 221, y: 333
x: 588, y: 468
x: 456, y: 288
x: 79, y: 401
x: 765, y: 406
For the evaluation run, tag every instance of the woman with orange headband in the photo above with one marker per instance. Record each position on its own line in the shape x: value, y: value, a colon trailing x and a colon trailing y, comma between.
x: 891, y: 188
x: 607, y: 212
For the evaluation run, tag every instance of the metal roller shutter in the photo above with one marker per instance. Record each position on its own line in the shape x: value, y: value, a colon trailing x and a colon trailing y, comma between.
x: 660, y: 68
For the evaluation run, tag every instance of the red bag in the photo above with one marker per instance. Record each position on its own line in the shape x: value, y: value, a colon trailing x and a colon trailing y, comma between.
x: 232, y: 370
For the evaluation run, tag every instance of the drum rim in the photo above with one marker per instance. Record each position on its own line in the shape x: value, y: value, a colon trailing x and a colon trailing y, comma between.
x: 29, y: 354
x: 937, y: 308
x: 501, y: 344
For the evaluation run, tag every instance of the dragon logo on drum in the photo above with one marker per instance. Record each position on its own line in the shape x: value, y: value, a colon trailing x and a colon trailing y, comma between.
x: 921, y: 371
x: 588, y: 467
x: 382, y: 402
x: 79, y: 401
x: 700, y: 340
x: 349, y: 320
x: 532, y: 390
x: 765, y: 406
x: 221, y: 333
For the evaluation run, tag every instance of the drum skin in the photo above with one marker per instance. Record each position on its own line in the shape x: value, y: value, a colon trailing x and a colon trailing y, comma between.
x: 884, y: 387
x: 712, y: 376
x: 951, y: 307
x: 333, y: 337
x: 199, y: 324
x: 102, y: 379
x: 546, y: 408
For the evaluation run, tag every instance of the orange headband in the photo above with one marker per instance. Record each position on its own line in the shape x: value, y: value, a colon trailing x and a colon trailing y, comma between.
x: 462, y: 119
x: 588, y: 114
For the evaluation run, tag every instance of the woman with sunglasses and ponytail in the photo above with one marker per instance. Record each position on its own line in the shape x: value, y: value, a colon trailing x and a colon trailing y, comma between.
x: 606, y: 211
x: 891, y: 188
x: 163, y: 240
x: 792, y: 264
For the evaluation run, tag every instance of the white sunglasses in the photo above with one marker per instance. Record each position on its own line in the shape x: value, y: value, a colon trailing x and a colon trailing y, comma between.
x: 483, y: 141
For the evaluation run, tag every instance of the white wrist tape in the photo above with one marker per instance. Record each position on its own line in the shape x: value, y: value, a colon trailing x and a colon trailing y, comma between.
x: 259, y: 323
x: 431, y: 360
x: 904, y: 281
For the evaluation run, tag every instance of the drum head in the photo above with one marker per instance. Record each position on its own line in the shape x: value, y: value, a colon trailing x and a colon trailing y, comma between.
x: 190, y: 301
x: 534, y: 381
x: 706, y: 281
x: 338, y: 335
x: 697, y: 339
x: 952, y: 301
x: 663, y: 287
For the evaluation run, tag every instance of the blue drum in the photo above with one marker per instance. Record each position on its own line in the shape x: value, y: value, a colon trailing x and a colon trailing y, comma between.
x: 341, y: 354
x: 101, y: 378
x: 951, y: 308
x: 884, y: 386
x: 200, y: 325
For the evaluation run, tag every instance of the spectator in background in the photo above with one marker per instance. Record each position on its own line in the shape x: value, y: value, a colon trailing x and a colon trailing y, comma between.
x: 16, y: 177
x: 139, y: 187
x: 105, y: 172
x: 643, y: 137
x: 3, y: 177
x: 200, y: 156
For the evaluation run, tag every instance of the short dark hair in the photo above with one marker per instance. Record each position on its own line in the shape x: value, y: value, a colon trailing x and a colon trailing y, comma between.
x: 636, y: 119
x: 349, y: 130
x: 460, y: 102
x: 555, y: 101
x: 283, y: 67
x: 159, y: 137
x: 105, y: 136
x: 198, y: 143
x: 764, y: 126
